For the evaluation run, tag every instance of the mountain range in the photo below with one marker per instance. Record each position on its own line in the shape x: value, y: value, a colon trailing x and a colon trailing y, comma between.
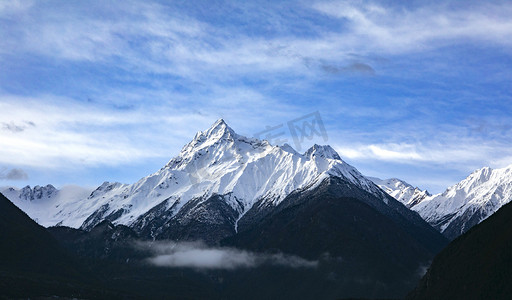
x: 476, y: 265
x: 401, y: 190
x: 216, y: 179
x: 307, y: 217
x: 462, y: 205
x: 358, y: 236
x: 218, y: 163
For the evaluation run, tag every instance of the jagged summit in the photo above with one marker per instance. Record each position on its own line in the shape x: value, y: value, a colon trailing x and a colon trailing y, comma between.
x: 216, y: 163
x: 401, y: 190
x: 218, y: 138
x: 220, y: 124
x: 468, y: 202
x: 220, y: 132
x: 324, y: 151
x: 36, y: 193
x: 42, y: 203
x: 474, y: 179
x: 286, y: 147
x: 217, y: 131
x: 460, y: 206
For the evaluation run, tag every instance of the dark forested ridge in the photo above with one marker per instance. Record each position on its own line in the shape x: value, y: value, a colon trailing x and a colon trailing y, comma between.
x: 33, y: 263
x: 360, y: 251
x: 476, y: 265
x: 365, y: 249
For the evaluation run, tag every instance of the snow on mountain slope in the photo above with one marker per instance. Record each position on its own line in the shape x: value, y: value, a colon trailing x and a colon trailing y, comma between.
x: 42, y: 202
x: 401, y: 190
x: 220, y: 162
x: 468, y: 202
x: 461, y: 206
x: 30, y: 194
x: 216, y: 162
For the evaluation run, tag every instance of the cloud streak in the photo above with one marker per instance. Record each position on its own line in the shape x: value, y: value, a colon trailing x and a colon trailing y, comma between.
x: 12, y: 127
x: 13, y: 174
x: 422, y: 153
x: 198, y: 256
x: 402, y: 29
x: 71, y: 132
x: 175, y: 43
x: 400, y: 78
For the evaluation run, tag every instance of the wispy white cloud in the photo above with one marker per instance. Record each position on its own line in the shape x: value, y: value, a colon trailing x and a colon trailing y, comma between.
x: 70, y: 133
x: 56, y: 132
x: 433, y: 165
x: 198, y: 256
x: 459, y: 154
x: 410, y: 153
x: 14, y: 6
x: 13, y: 174
x: 153, y: 37
x: 377, y: 28
x: 234, y: 69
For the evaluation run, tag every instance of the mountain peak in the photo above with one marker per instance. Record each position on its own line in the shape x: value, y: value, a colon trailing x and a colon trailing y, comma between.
x: 324, y: 151
x: 286, y: 147
x: 468, y: 202
x: 401, y: 190
x: 220, y: 122
x: 217, y: 163
x: 37, y: 192
x: 219, y: 129
x: 484, y: 173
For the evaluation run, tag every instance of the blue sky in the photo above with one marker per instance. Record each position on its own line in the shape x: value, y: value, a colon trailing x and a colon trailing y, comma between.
x: 92, y: 91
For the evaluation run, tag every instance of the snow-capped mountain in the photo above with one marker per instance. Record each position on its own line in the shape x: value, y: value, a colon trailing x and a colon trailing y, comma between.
x: 30, y: 194
x: 401, y: 190
x: 468, y: 202
x: 42, y: 203
x: 462, y: 205
x: 231, y: 191
x: 220, y: 176
x: 239, y: 171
